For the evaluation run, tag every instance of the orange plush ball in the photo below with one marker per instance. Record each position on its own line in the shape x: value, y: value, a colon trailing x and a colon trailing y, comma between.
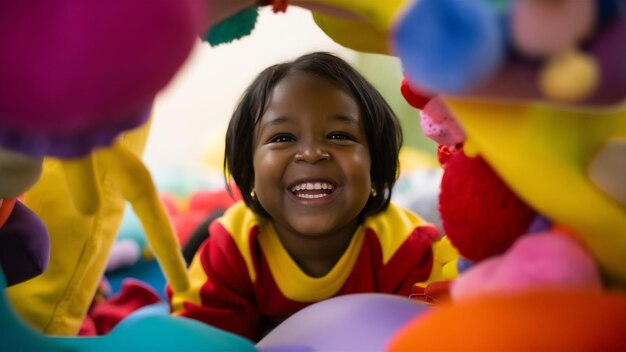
x: 531, y: 321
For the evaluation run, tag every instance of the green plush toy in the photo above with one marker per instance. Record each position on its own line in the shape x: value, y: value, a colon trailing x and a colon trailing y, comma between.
x: 237, y: 26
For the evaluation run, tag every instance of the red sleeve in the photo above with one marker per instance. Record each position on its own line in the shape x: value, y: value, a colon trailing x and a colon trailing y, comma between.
x: 411, y: 263
x: 222, y: 293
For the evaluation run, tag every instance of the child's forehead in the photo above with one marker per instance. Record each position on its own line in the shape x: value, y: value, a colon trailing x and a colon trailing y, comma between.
x: 309, y: 80
x: 308, y: 88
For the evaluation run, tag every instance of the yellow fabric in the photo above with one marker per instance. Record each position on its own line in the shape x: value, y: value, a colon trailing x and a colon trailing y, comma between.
x: 412, y: 159
x: 352, y: 34
x: 238, y: 221
x: 542, y: 153
x: 444, y: 262
x: 361, y: 25
x: 80, y: 174
x: 392, y: 227
x: 294, y: 283
x: 134, y: 182
x: 56, y: 301
x: 197, y: 278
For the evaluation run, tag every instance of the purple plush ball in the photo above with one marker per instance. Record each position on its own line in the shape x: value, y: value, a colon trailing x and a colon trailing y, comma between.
x: 356, y: 322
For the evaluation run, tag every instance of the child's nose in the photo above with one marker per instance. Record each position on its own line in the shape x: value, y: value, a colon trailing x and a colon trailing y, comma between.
x: 312, y: 152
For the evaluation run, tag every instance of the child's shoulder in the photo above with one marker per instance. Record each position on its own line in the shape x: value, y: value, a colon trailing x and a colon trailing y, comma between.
x: 238, y: 216
x: 394, y: 226
x: 394, y: 218
x: 239, y: 222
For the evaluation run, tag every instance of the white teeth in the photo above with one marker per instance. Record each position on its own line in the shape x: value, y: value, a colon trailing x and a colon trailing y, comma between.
x: 312, y: 196
x: 312, y: 186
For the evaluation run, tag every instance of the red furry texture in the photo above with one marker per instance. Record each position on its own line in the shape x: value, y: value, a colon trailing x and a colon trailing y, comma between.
x: 481, y: 216
x: 415, y: 98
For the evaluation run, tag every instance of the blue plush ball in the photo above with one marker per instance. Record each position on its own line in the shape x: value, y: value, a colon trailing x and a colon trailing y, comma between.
x: 450, y: 46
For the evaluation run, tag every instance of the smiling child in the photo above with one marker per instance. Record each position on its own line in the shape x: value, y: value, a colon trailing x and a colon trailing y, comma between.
x: 313, y: 148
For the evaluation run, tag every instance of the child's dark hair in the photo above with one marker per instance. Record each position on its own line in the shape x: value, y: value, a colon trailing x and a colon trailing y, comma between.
x: 382, y: 129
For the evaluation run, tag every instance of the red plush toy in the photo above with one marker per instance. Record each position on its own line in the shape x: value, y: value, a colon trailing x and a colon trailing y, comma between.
x: 480, y: 214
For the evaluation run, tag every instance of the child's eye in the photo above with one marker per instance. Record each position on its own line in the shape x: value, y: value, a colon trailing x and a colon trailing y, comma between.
x: 282, y: 138
x: 340, y: 136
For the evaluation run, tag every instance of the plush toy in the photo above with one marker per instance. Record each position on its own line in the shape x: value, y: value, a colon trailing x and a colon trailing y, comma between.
x: 511, y: 50
x: 483, y: 218
x: 150, y: 328
x: 534, y: 195
x: 24, y: 242
x: 471, y: 174
x: 72, y: 84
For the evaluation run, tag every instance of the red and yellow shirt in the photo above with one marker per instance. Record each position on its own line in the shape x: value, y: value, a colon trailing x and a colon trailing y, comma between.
x: 244, y: 281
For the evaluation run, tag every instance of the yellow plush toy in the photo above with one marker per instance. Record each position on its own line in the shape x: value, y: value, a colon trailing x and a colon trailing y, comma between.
x: 56, y: 301
x: 567, y: 164
x: 361, y: 25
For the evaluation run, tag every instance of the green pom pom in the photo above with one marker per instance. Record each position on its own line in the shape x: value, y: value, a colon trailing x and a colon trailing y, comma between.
x: 237, y: 26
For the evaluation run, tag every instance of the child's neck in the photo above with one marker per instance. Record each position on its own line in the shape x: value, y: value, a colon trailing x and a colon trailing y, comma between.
x: 317, y: 255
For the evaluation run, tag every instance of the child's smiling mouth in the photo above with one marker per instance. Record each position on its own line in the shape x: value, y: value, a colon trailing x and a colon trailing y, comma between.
x: 312, y: 190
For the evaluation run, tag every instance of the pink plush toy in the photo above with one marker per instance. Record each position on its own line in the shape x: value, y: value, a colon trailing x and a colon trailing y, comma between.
x: 549, y: 260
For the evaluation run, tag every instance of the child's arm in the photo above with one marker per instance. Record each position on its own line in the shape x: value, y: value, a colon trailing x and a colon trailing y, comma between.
x: 221, y: 291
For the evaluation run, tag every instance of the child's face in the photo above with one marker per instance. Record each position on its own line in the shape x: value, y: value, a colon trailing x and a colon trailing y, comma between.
x: 311, y: 136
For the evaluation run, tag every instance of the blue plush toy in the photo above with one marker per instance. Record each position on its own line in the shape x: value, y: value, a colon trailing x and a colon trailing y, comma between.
x: 563, y: 52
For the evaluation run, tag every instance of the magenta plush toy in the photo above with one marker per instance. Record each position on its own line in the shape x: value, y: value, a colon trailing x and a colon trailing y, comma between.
x: 74, y: 74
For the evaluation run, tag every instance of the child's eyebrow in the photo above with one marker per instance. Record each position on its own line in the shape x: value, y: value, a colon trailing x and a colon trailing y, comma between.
x: 278, y: 120
x: 285, y: 120
x: 346, y: 118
